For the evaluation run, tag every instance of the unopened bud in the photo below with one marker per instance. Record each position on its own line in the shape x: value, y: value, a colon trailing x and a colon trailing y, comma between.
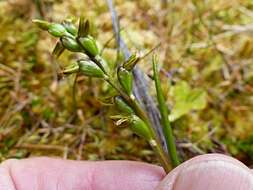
x: 103, y: 64
x: 89, y: 45
x: 57, y: 30
x: 122, y: 105
x: 70, y: 44
x: 70, y: 27
x: 139, y: 127
x: 126, y: 80
x: 54, y: 29
x: 44, y: 25
x: 89, y: 68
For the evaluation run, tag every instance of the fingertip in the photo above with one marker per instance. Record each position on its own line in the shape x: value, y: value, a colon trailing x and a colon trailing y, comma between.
x: 211, y: 171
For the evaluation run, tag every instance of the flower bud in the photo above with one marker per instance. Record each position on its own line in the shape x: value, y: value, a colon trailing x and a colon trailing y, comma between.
x: 70, y: 27
x: 57, y: 30
x: 89, y: 45
x: 54, y: 29
x: 126, y: 80
x: 89, y: 68
x: 122, y: 105
x: 131, y: 62
x: 73, y: 68
x: 44, y: 25
x: 70, y: 44
x: 139, y: 127
x: 103, y: 64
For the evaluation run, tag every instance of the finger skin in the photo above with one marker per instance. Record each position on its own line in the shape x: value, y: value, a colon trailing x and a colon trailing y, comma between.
x: 209, y: 172
x: 56, y: 174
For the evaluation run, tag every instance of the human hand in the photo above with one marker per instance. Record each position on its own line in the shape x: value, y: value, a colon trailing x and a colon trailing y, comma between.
x: 204, y: 172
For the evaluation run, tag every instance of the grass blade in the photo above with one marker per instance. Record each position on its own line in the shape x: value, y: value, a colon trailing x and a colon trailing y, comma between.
x: 167, y: 131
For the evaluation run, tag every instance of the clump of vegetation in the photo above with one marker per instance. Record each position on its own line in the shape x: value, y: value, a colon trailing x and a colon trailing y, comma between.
x: 120, y: 78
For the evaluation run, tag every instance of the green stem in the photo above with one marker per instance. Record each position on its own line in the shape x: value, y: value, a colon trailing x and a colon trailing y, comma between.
x: 164, y: 118
x: 131, y: 101
x: 154, y: 142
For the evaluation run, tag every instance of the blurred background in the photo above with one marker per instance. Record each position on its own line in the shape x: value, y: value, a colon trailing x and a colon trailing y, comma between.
x: 206, y: 61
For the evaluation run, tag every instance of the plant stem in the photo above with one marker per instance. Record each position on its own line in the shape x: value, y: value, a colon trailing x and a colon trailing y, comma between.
x: 131, y: 101
x: 164, y: 118
x: 163, y: 157
x: 154, y: 142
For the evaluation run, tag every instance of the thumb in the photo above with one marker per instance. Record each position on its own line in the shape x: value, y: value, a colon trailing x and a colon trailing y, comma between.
x: 209, y: 172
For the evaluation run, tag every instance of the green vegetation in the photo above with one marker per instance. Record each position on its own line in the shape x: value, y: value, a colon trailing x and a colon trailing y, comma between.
x: 206, y: 72
x: 94, y: 66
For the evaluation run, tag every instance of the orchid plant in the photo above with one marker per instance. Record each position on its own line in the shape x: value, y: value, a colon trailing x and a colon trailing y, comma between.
x: 79, y: 40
